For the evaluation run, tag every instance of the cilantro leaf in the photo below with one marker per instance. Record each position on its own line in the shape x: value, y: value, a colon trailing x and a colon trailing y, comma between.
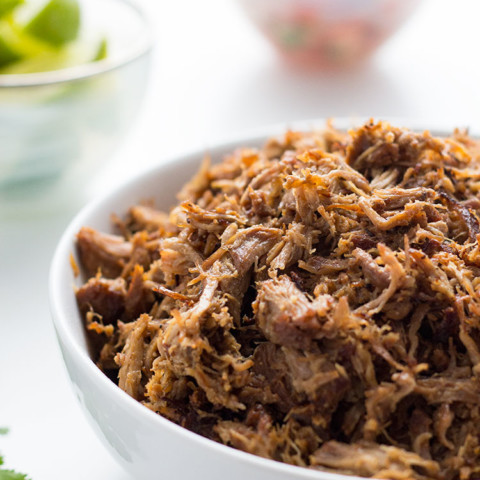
x: 3, y: 431
x: 12, y: 475
x: 9, y: 474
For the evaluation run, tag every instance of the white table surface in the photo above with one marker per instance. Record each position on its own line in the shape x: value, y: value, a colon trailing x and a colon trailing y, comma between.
x: 213, y: 77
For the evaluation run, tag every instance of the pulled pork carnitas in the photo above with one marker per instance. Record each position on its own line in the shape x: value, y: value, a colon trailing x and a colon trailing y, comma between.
x: 316, y: 302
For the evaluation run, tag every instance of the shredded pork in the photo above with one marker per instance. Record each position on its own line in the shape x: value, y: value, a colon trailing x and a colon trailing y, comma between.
x: 315, y: 301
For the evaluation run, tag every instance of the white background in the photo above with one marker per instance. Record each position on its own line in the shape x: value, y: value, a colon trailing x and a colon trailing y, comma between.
x: 213, y: 76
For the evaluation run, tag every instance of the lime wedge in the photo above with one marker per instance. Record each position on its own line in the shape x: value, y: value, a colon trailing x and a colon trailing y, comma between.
x: 43, y: 62
x: 7, y: 53
x: 57, y: 23
x: 16, y: 46
x: 45, y: 42
x: 102, y: 51
x: 6, y: 6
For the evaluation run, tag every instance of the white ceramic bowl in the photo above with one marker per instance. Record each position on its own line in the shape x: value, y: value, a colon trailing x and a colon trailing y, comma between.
x: 146, y: 444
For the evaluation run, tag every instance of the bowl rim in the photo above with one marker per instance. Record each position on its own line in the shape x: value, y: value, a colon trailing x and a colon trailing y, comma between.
x: 141, y: 47
x: 66, y: 244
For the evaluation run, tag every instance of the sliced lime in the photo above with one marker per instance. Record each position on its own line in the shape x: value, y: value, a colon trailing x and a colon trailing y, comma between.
x: 43, y: 62
x: 6, y: 6
x: 102, y: 51
x: 8, y: 55
x: 57, y: 23
x: 14, y: 35
x: 15, y: 45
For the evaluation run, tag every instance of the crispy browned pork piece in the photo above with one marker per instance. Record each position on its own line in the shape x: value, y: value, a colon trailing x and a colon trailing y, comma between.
x: 316, y: 301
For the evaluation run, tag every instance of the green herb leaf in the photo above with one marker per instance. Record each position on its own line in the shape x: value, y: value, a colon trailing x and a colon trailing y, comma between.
x: 9, y: 474
x: 12, y: 475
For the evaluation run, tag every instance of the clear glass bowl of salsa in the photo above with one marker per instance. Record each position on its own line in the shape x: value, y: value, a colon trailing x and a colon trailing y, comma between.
x: 330, y: 34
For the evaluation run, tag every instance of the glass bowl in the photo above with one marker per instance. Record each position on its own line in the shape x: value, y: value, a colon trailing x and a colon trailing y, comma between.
x: 327, y: 33
x: 58, y: 128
